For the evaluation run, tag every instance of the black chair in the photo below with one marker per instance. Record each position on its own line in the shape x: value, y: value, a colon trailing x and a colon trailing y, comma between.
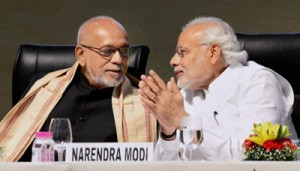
x: 280, y: 52
x: 35, y: 58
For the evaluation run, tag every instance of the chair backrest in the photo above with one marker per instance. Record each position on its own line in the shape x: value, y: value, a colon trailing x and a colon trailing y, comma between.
x: 43, y: 58
x: 280, y: 52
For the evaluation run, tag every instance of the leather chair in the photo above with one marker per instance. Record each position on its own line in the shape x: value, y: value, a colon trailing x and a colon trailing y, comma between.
x: 280, y: 52
x: 35, y: 59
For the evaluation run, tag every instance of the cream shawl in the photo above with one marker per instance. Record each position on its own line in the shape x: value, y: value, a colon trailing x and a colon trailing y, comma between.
x: 18, y: 127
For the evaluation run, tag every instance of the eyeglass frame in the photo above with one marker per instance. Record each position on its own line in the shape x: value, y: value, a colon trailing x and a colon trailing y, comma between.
x: 100, y: 52
x: 179, y: 50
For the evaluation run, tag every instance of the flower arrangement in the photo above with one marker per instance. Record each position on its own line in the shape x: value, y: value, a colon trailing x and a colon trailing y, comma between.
x: 269, y: 142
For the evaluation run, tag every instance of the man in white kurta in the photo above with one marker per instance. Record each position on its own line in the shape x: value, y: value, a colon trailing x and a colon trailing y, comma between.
x: 239, y: 97
x: 218, y: 84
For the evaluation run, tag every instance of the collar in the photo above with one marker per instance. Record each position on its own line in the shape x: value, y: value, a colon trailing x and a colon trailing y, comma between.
x: 225, y: 79
x: 83, y: 82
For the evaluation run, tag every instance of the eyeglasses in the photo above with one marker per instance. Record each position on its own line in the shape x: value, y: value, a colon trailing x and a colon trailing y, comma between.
x: 181, y: 51
x: 109, y: 51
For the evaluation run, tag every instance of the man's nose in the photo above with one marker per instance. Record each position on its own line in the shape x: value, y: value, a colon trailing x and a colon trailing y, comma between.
x: 117, y: 58
x: 174, y: 60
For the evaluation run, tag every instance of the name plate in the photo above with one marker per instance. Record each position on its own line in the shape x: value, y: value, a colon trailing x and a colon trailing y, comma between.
x: 100, y: 152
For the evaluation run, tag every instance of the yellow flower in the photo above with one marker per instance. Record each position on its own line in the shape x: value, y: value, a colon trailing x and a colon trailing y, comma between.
x: 268, y: 131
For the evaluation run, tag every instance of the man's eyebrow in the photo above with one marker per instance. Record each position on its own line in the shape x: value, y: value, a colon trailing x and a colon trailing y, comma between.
x: 182, y: 48
x: 109, y: 45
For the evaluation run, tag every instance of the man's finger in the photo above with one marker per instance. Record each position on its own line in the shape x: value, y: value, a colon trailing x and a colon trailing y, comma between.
x: 157, y: 79
x: 152, y: 85
x: 145, y: 99
x: 174, y: 86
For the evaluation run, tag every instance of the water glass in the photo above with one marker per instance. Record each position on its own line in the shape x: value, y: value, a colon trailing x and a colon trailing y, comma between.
x: 190, y: 136
x: 62, y: 134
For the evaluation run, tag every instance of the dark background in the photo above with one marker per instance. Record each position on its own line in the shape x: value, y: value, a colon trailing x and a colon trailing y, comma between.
x: 156, y: 23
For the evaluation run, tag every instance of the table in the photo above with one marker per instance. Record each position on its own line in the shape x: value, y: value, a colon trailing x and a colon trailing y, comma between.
x: 154, y: 166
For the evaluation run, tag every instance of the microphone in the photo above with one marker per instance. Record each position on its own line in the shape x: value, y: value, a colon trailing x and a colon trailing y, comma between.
x: 215, y: 114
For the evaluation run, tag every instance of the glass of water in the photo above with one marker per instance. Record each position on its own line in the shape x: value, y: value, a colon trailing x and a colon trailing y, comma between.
x: 62, y: 134
x: 190, y: 136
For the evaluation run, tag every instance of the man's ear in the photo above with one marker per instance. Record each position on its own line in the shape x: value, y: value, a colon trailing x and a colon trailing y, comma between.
x: 215, y: 52
x: 80, y: 55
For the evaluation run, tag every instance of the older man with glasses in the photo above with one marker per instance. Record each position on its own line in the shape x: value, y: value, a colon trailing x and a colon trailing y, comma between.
x: 94, y: 93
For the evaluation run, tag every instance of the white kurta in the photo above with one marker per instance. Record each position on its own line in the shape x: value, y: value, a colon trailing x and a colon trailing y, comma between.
x: 238, y: 98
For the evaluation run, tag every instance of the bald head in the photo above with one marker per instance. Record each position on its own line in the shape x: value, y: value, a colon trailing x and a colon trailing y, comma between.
x: 94, y: 36
x: 98, y: 25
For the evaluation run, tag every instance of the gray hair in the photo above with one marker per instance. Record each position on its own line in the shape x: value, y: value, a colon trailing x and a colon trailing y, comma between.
x: 99, y: 17
x: 221, y: 33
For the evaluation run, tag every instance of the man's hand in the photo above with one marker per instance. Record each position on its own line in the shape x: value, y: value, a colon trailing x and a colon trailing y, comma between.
x: 163, y: 101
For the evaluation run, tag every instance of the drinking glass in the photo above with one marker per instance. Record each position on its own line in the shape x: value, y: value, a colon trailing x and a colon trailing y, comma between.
x: 190, y: 136
x: 62, y: 134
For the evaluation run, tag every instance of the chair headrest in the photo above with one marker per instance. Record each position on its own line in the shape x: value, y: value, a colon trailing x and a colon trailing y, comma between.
x: 278, y: 51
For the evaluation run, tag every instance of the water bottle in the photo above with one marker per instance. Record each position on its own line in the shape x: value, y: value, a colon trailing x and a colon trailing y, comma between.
x: 43, y: 147
x: 49, y: 151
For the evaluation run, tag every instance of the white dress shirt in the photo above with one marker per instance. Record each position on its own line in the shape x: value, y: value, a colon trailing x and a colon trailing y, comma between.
x: 234, y: 101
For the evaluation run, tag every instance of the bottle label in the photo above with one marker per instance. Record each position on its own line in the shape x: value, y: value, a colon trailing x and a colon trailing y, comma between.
x: 43, y: 150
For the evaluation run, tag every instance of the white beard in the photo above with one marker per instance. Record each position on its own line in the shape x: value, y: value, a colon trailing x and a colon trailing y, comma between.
x: 102, y: 81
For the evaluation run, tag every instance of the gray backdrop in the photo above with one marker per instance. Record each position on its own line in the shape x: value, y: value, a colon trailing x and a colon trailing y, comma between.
x: 155, y: 23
